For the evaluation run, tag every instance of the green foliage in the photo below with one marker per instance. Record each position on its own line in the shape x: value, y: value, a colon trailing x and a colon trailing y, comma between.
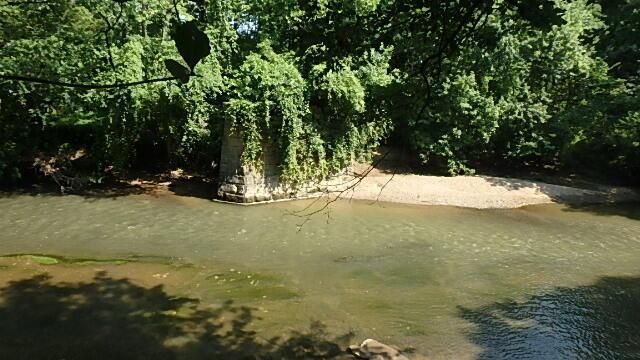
x: 610, y: 141
x: 110, y: 42
x: 271, y: 104
x: 545, y: 83
x: 344, y: 90
x: 619, y: 42
x: 506, y: 96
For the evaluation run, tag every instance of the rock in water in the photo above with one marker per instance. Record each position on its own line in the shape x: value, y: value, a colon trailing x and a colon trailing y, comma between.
x: 374, y: 350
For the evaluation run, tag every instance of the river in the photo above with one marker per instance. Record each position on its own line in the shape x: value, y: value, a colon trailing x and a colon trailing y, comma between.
x: 540, y: 282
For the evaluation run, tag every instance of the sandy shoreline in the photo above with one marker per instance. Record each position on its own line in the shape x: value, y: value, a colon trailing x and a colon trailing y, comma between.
x: 480, y: 192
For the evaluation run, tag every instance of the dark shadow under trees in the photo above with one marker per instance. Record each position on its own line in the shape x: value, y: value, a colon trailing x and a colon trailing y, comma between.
x: 600, y: 321
x: 143, y: 183
x: 115, y: 319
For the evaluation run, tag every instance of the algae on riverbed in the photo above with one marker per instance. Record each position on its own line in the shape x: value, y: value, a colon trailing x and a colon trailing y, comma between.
x: 229, y: 284
x: 251, y: 286
x: 48, y: 259
x: 44, y: 260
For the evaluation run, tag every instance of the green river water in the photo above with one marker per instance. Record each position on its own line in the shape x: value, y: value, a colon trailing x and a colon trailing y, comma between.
x: 141, y: 275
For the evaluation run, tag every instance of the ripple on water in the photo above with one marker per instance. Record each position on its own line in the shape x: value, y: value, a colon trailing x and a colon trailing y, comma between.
x: 540, y: 282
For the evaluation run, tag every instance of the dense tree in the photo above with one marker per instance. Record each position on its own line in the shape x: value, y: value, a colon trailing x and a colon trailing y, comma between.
x: 104, y: 42
x: 462, y: 83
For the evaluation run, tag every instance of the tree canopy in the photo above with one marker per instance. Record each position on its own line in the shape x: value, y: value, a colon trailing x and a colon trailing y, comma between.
x: 460, y: 84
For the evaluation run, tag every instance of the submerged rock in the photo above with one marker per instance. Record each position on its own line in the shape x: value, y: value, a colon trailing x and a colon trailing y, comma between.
x: 374, y: 350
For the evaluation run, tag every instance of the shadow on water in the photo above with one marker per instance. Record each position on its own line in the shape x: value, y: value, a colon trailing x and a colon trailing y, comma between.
x: 629, y: 210
x: 600, y: 201
x: 107, y: 191
x: 600, y: 321
x: 115, y: 319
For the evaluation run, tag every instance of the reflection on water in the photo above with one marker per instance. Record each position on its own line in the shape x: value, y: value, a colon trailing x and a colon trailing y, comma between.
x: 587, y: 322
x: 432, y: 278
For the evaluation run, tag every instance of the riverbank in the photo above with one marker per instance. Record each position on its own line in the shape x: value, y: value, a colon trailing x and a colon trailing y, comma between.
x: 478, y: 192
x: 481, y: 192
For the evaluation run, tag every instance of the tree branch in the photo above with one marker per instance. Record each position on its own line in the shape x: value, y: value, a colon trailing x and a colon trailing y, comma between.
x: 35, y: 80
x: 307, y: 212
x: 26, y: 2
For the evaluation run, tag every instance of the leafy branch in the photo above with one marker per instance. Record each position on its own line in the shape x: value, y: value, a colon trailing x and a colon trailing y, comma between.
x: 192, y: 44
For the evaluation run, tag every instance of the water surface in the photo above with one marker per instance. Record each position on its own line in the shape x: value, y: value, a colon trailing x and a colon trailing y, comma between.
x: 539, y: 282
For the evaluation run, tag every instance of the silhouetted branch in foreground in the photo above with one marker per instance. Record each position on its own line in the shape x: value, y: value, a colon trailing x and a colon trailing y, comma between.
x: 333, y: 195
x: 35, y: 80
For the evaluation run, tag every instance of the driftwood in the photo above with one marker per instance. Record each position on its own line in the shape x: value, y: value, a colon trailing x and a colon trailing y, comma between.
x: 51, y: 169
x: 68, y: 183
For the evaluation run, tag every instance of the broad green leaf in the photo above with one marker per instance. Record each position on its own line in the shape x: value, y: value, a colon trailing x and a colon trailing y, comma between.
x: 192, y: 43
x: 177, y: 70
